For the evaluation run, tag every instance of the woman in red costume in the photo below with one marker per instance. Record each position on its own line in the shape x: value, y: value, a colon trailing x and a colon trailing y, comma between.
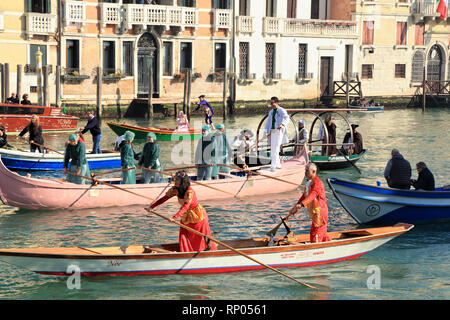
x: 192, y: 215
x: 314, y: 199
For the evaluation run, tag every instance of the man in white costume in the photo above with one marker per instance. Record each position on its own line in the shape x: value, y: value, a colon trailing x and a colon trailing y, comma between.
x: 276, y: 124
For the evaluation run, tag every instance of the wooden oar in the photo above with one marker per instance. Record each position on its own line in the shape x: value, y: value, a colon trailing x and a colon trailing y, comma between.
x: 196, y: 182
x: 109, y: 172
x: 229, y: 247
x: 272, y: 232
x: 189, y: 167
x: 260, y: 174
x: 109, y: 185
x: 348, y: 160
x: 46, y: 148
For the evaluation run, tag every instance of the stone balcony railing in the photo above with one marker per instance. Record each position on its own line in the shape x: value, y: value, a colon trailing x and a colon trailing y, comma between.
x: 167, y: 16
x: 110, y: 14
x: 245, y: 24
x: 310, y: 28
x: 40, y: 24
x: 222, y: 19
x: 426, y: 8
x: 75, y: 12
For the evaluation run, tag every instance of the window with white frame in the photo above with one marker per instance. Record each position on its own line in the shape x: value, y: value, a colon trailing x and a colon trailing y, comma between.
x: 109, y: 57
x: 167, y: 58
x: 127, y: 57
x: 220, y: 56
x: 72, y: 56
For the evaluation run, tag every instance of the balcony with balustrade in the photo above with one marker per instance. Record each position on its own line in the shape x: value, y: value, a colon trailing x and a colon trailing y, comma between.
x: 245, y: 25
x: 110, y: 14
x: 422, y: 9
x: 223, y: 19
x: 39, y: 24
x: 74, y: 13
x: 159, y: 15
x: 309, y: 28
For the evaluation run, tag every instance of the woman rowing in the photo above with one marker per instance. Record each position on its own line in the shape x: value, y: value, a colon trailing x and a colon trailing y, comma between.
x: 35, y: 131
x: 192, y: 215
x: 76, y: 154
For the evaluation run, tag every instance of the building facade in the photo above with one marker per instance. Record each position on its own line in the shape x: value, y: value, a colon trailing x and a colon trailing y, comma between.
x: 398, y: 40
x: 294, y: 49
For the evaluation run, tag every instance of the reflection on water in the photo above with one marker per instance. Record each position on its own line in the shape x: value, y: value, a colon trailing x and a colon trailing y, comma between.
x: 413, y: 266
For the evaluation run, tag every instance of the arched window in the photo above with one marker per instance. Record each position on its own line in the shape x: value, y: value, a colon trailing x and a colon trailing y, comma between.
x: 435, y: 65
x: 418, y: 62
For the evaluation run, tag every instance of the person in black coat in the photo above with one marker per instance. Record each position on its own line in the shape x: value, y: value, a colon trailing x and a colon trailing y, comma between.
x: 357, y: 148
x: 425, y: 179
x: 25, y: 99
x: 35, y: 131
x: 398, y: 171
x: 93, y: 125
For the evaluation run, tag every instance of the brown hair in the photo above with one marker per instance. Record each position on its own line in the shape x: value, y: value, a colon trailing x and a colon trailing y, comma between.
x: 35, y: 125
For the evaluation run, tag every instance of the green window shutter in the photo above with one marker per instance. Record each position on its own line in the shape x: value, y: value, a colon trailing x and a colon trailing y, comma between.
x: 48, y: 6
x: 29, y: 7
x: 216, y: 4
x: 228, y: 4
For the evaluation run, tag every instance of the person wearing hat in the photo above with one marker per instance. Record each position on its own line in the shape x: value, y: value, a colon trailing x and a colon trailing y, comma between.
x: 191, y: 214
x: 182, y: 122
x: 357, y: 147
x: 222, y: 151
x: 207, y: 109
x: 204, y: 154
x: 276, y: 131
x: 149, y: 159
x: 127, y: 159
x: 76, y: 154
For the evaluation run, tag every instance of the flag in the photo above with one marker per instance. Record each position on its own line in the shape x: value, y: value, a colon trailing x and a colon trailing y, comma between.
x: 442, y: 8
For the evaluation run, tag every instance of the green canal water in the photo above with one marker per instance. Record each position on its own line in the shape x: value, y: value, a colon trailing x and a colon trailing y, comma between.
x: 412, y: 266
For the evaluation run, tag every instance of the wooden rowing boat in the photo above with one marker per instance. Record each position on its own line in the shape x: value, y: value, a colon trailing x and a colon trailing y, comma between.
x: 164, y: 258
x: 26, y: 160
x: 369, y: 204
x: 52, y: 194
x: 162, y: 134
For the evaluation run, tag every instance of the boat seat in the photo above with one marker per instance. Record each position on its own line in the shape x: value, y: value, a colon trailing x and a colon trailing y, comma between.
x: 148, y: 249
x: 353, y: 234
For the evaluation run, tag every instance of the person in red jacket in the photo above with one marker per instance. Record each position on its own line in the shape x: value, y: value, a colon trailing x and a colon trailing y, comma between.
x: 192, y: 214
x: 314, y: 199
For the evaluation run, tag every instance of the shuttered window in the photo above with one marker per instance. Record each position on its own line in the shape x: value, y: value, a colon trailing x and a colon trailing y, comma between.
x: 418, y: 62
x: 185, y: 56
x: 368, y: 27
x: 315, y: 9
x: 291, y: 8
x: 401, y: 33
x: 127, y: 57
x: 302, y: 58
x: 400, y: 70
x: 33, y: 49
x: 243, y: 59
x: 167, y: 58
x: 270, y: 8
x: 186, y: 3
x: 270, y: 60
x: 418, y: 35
x: 367, y: 71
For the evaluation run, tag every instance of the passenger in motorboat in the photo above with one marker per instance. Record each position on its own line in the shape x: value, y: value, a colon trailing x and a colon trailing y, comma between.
x: 425, y: 179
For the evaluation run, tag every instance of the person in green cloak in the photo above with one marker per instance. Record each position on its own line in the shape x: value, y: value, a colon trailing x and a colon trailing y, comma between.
x: 222, y: 152
x: 76, y: 154
x: 150, y: 160
x: 127, y: 159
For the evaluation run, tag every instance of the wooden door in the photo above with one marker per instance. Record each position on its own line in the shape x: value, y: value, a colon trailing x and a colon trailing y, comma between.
x: 147, y: 56
x: 326, y: 76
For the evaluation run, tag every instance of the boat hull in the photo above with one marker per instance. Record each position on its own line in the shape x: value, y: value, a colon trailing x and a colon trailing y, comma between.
x: 17, y: 117
x: 46, y: 194
x: 32, y: 161
x: 161, y: 134
x: 132, y: 261
x: 376, y: 205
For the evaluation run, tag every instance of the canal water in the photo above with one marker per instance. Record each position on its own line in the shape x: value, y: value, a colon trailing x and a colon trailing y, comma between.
x: 412, y: 266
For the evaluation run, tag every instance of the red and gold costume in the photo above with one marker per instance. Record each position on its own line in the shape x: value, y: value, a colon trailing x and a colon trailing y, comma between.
x: 192, y: 215
x: 314, y: 199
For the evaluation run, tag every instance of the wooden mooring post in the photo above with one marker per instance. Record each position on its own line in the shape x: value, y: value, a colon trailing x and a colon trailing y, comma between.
x: 6, y: 74
x: 45, y: 91
x: 424, y: 90
x: 225, y: 87
x: 58, y: 86
x: 188, y: 93
x: 19, y: 82
x: 150, y: 94
x: 99, y: 91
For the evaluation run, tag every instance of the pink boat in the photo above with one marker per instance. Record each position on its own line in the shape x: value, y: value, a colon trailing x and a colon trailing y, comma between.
x: 53, y: 194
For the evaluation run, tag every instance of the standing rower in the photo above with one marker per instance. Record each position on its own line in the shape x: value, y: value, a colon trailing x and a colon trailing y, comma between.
x: 127, y: 159
x: 76, y: 154
x: 275, y: 129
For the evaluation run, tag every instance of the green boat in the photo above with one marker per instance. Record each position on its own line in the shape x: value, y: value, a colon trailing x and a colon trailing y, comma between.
x: 162, y: 134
